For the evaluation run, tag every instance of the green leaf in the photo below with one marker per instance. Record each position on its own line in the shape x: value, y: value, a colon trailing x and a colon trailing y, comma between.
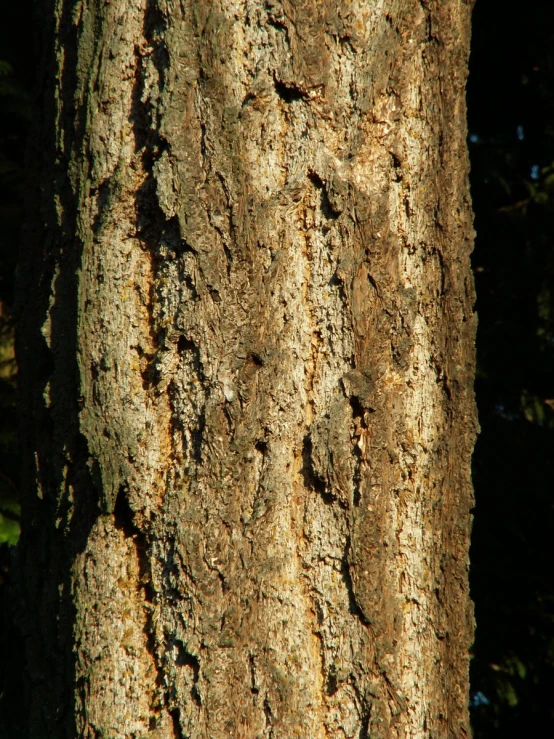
x: 5, y: 68
x: 9, y: 530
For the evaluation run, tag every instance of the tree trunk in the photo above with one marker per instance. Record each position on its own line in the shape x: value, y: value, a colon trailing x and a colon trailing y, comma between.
x: 247, y: 362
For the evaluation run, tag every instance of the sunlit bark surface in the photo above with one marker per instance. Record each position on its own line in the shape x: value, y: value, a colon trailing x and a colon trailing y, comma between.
x: 247, y: 361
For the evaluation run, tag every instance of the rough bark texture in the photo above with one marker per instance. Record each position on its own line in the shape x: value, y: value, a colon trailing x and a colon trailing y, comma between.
x: 247, y: 356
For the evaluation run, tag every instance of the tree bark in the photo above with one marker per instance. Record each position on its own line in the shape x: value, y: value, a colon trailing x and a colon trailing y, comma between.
x: 247, y: 353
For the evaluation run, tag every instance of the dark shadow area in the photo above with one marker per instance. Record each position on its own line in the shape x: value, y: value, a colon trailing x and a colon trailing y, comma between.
x: 16, y: 78
x: 288, y: 92
x: 511, y: 139
x: 51, y: 458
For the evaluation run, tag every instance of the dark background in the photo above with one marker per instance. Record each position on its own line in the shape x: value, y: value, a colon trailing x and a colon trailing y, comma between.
x: 511, y: 125
x: 511, y: 141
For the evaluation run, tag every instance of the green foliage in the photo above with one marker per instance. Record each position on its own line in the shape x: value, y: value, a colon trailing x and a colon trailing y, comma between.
x: 9, y: 522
